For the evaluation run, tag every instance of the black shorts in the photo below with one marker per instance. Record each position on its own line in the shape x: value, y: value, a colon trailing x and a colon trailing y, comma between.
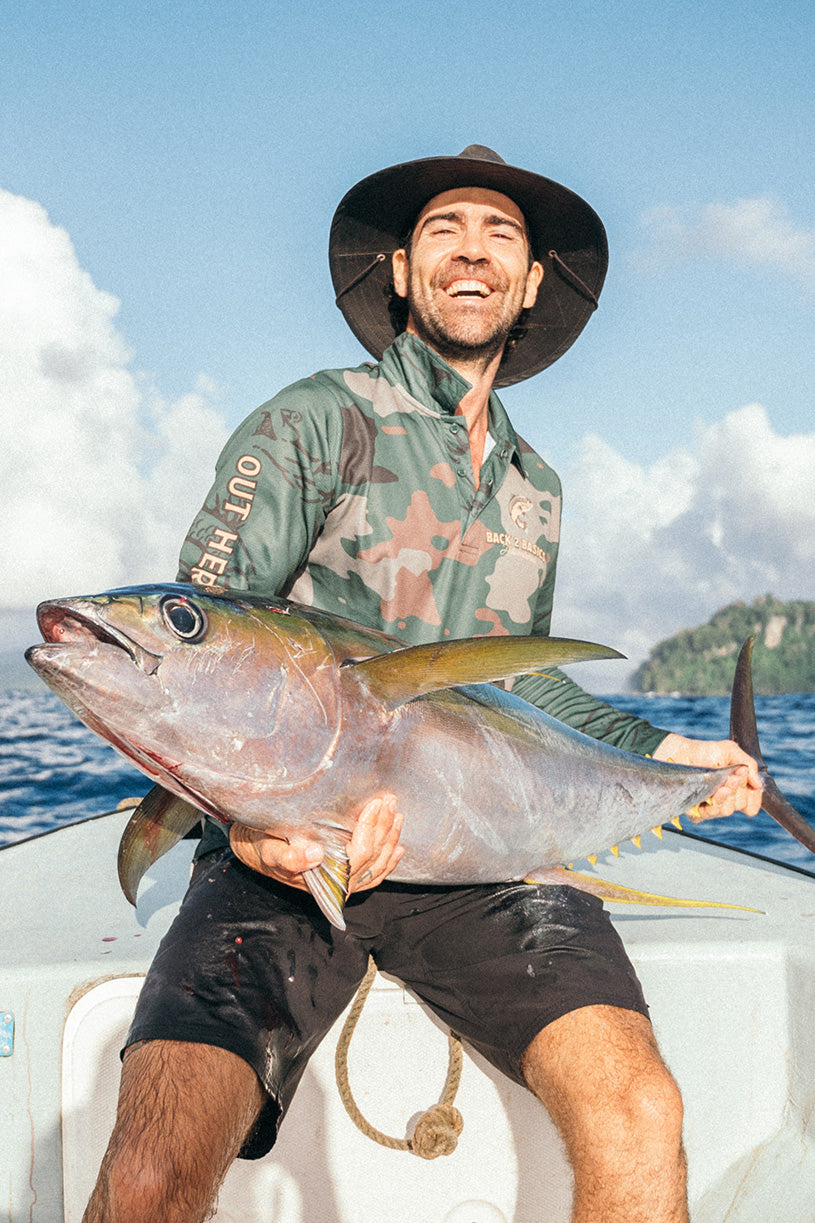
x: 252, y: 966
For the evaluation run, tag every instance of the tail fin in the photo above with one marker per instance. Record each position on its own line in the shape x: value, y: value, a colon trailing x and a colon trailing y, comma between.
x: 745, y: 732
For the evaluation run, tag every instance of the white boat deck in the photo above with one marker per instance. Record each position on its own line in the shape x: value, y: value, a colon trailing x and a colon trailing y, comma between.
x: 732, y: 998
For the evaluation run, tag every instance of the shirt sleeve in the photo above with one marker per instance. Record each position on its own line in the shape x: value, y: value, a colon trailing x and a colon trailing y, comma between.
x: 275, y: 481
x: 558, y: 695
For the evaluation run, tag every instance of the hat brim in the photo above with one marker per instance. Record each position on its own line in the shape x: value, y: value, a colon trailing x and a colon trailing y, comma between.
x: 375, y: 217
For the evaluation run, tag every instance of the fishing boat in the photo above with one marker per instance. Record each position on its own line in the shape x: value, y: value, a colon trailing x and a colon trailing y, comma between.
x: 731, y: 991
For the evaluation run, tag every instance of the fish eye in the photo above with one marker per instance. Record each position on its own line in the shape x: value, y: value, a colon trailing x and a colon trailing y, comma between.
x: 185, y: 619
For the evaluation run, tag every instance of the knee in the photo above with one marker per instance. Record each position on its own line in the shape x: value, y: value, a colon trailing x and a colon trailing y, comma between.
x: 133, y: 1187
x: 609, y: 1090
x: 632, y: 1122
x: 651, y: 1110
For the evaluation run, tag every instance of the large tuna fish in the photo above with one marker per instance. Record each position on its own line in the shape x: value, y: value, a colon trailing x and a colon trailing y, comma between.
x: 289, y: 720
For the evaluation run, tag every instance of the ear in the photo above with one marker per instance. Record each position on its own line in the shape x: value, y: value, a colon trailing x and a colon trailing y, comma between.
x: 400, y: 264
x: 533, y: 282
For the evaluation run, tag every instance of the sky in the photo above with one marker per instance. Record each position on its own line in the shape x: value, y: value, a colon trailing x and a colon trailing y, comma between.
x: 168, y: 174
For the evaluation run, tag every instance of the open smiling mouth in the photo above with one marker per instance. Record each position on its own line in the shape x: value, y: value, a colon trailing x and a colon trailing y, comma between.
x: 468, y: 288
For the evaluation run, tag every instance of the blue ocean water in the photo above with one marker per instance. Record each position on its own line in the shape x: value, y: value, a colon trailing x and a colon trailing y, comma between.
x: 53, y: 771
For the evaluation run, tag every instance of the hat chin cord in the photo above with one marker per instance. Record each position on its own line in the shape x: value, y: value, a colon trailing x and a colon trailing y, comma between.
x: 573, y: 279
x: 567, y: 273
x: 377, y: 259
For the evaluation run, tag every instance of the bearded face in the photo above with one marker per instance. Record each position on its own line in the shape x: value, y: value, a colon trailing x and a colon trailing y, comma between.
x: 468, y: 275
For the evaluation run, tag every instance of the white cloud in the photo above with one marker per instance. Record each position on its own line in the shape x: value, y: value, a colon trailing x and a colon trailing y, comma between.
x: 101, y: 476
x: 758, y: 232
x: 650, y: 550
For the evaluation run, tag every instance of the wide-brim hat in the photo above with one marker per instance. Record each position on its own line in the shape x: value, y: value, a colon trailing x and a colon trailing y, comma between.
x: 376, y: 216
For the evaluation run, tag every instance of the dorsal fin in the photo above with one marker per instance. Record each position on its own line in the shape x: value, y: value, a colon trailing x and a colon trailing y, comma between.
x: 416, y: 670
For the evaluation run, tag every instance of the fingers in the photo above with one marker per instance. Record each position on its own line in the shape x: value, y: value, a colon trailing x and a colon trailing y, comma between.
x: 280, y: 860
x: 740, y: 792
x: 751, y: 779
x: 737, y: 793
x: 374, y: 850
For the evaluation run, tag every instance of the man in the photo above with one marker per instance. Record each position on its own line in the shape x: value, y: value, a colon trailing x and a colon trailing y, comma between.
x: 399, y: 495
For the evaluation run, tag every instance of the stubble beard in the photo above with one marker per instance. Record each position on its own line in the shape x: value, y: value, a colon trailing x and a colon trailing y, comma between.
x: 457, y: 337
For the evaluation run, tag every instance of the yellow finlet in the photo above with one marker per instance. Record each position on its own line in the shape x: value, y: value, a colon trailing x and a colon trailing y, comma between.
x: 637, y: 840
x: 657, y: 831
x: 677, y: 822
x: 615, y: 849
x: 593, y: 859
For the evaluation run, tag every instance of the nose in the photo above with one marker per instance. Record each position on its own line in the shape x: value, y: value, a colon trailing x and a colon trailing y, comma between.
x: 471, y: 247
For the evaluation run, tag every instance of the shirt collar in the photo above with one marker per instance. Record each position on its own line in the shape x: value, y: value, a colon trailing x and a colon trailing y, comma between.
x: 427, y: 378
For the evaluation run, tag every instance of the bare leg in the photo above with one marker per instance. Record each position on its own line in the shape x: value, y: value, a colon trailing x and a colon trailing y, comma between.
x: 184, y: 1112
x: 600, y: 1075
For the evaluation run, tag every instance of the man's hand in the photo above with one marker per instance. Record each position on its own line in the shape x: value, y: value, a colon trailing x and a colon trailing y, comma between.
x: 741, y: 792
x: 373, y: 850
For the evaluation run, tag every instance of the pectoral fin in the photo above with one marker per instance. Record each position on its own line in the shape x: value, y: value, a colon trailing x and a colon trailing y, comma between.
x: 615, y: 892
x: 328, y: 882
x: 745, y: 732
x: 401, y: 676
x: 157, y: 824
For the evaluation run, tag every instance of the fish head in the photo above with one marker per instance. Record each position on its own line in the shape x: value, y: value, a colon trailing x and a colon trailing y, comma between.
x: 216, y: 697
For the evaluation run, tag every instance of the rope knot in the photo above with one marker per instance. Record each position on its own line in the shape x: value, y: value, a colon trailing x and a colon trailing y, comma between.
x: 436, y: 1132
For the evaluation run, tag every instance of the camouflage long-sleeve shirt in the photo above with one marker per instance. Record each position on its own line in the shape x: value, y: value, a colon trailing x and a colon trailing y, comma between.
x: 353, y: 491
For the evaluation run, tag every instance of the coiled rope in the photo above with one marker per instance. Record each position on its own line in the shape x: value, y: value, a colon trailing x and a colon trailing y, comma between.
x: 437, y: 1130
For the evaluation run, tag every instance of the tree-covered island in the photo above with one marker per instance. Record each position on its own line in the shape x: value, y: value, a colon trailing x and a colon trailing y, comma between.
x: 700, y: 661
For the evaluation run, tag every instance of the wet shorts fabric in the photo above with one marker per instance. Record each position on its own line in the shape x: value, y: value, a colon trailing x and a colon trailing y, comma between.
x: 252, y: 966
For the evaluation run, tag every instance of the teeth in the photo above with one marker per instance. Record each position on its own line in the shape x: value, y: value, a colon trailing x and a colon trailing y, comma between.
x: 461, y: 288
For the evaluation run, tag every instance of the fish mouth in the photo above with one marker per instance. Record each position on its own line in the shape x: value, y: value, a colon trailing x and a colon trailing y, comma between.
x: 64, y: 625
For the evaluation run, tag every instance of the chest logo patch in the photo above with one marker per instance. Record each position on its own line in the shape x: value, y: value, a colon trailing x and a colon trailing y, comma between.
x: 518, y: 509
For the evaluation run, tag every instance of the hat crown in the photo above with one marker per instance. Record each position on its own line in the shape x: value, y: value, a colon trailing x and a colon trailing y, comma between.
x: 480, y: 152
